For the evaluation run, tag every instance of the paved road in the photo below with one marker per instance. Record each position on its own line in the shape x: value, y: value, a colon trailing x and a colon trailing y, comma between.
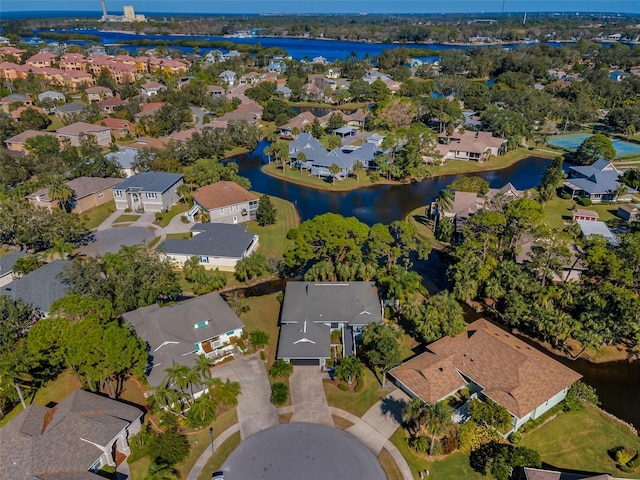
x: 307, y: 396
x: 302, y: 451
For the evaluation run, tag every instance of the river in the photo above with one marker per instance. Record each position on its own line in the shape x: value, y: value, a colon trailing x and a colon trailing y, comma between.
x: 616, y: 382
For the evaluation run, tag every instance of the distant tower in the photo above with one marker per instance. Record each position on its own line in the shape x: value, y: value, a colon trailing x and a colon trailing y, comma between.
x: 104, y: 9
x: 129, y: 14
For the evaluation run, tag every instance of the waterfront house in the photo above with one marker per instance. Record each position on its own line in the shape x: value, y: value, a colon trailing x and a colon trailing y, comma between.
x: 72, y: 440
x: 179, y: 333
x: 571, y: 269
x: 491, y: 363
x: 148, y: 191
x: 75, y: 132
x: 541, y: 474
x: 6, y: 266
x: 469, y: 145
x: 597, y: 182
x: 88, y: 192
x: 216, y: 245
x: 312, y: 310
x: 225, y: 202
x: 629, y: 212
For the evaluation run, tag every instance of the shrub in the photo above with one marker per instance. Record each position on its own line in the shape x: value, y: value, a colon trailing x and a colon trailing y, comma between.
x: 565, y: 196
x: 259, y: 338
x: 515, y: 438
x: 343, y: 387
x: 280, y: 369
x: 159, y: 216
x: 625, y: 455
x: 374, y: 175
x: 635, y: 463
x: 585, y: 202
x: 419, y: 444
x: 279, y: 393
x: 263, y: 357
x: 450, y: 444
x: 359, y: 384
x: 184, y: 219
x: 127, y: 210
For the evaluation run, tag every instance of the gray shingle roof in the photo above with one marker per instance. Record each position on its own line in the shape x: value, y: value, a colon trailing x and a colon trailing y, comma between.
x: 39, y: 288
x: 355, y: 303
x: 213, y: 239
x: 55, y: 442
x: 124, y: 157
x: 72, y: 107
x: 304, y: 340
x: 8, y: 261
x: 149, y: 182
x: 317, y: 155
x: 600, y: 177
x: 171, y: 333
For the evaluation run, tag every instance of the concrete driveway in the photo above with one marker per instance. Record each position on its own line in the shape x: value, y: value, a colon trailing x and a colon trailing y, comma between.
x: 302, y: 451
x: 112, y: 239
x: 308, y: 399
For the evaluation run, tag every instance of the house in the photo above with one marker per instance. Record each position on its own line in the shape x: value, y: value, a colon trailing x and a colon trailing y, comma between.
x: 151, y: 89
x: 179, y: 333
x: 492, y: 363
x: 590, y: 227
x: 39, y: 288
x: 14, y: 99
x: 119, y: 127
x: 597, y: 182
x: 148, y: 191
x: 540, y: 474
x: 148, y: 109
x: 226, y: 202
x: 79, y: 130
x: 311, y: 311
x: 299, y: 122
x: 469, y: 145
x: 51, y: 95
x: 586, y: 215
x: 215, y: 90
x: 71, y: 440
x: 319, y: 159
x: 125, y: 157
x: 228, y: 77
x: 9, y: 52
x: 217, y: 245
x: 571, y: 269
x: 88, y: 192
x: 109, y: 105
x: 629, y: 212
x: 41, y: 59
x: 72, y: 108
x: 95, y: 94
x: 18, y: 143
x: 6, y: 266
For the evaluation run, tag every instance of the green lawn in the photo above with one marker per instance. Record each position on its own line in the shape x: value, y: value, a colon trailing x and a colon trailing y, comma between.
x: 580, y: 441
x: 294, y: 175
x: 96, y: 215
x: 127, y: 218
x: 273, y: 238
x: 419, y: 219
x: 558, y: 210
x: 355, y: 402
x: 263, y: 314
x: 220, y: 456
x: 177, y: 209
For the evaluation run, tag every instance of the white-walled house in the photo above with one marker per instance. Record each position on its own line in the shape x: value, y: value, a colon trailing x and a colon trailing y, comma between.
x: 226, y: 202
x: 148, y: 191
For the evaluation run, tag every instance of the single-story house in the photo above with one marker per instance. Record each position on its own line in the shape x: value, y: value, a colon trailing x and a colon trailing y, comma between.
x: 311, y: 310
x: 6, y: 266
x: 39, y: 288
x: 586, y: 215
x: 148, y: 191
x: 88, y: 192
x: 73, y: 108
x: 125, y: 157
x: 597, y: 182
x: 52, y: 95
x: 589, y: 228
x: 469, y: 145
x: 95, y: 94
x: 18, y: 143
x: 71, y: 440
x: 491, y: 362
x: 151, y: 89
x: 179, y: 333
x: 540, y: 474
x: 217, y: 245
x: 319, y: 159
x: 79, y: 130
x: 629, y: 212
x: 215, y: 90
x: 225, y: 202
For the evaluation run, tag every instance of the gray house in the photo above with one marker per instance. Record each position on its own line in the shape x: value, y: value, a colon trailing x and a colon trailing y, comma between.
x: 39, y: 288
x: 228, y: 77
x: 598, y: 182
x: 6, y: 266
x: 179, y: 333
x: 312, y: 310
x: 148, y: 191
x: 217, y: 245
x: 69, y: 441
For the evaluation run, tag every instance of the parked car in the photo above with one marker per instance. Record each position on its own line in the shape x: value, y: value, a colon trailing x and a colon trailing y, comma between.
x: 217, y: 476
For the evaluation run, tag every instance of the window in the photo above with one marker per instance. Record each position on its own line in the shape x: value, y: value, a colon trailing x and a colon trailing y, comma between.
x: 222, y: 211
x: 151, y: 195
x: 204, y: 259
x: 100, y: 194
x: 117, y: 193
x: 202, y: 324
x: 230, y: 333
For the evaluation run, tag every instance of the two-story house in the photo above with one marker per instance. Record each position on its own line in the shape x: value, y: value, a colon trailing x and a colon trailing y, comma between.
x: 75, y: 132
x: 598, y: 182
x: 148, y: 191
x: 225, y: 202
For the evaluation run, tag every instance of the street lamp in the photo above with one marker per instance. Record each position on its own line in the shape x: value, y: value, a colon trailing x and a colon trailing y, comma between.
x: 211, y: 435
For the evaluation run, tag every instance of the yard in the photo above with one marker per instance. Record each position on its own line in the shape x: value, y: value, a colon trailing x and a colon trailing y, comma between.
x: 581, y: 441
x: 219, y: 457
x: 355, y: 402
x: 273, y: 238
x: 264, y: 314
x: 96, y: 215
x: 177, y: 209
x: 558, y: 210
x: 303, y: 178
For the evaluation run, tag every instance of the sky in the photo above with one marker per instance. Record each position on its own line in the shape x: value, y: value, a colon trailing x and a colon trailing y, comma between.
x: 327, y: 6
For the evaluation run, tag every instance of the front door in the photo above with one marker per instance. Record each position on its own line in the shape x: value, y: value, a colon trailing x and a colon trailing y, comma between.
x: 235, y: 219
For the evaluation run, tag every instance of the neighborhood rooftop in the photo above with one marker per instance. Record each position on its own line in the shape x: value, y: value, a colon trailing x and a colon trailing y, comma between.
x: 149, y: 182
x: 214, y: 239
x: 222, y: 194
x: 40, y: 287
x: 81, y: 186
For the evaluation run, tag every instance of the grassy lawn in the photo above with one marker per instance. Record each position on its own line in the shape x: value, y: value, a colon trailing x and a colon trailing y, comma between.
x: 263, y: 314
x: 96, y: 215
x: 56, y: 123
x: 358, y: 402
x: 220, y: 456
x: 453, y: 466
x: 294, y: 175
x: 273, y: 238
x: 177, y: 209
x: 127, y: 218
x: 389, y: 466
x: 419, y: 219
x: 580, y: 441
x: 558, y: 210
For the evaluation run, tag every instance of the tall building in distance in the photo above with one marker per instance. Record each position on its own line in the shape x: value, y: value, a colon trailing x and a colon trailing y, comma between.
x: 129, y: 15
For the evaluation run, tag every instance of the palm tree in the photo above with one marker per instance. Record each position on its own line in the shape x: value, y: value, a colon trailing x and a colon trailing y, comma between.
x: 178, y: 375
x: 358, y: 168
x: 620, y: 191
x: 414, y: 413
x: 437, y: 419
x: 301, y: 158
x: 17, y: 371
x: 60, y: 248
x: 349, y: 368
x: 162, y: 471
x: 183, y: 191
x: 59, y: 190
x: 334, y: 170
x: 226, y: 393
x: 203, y: 367
x: 444, y: 201
x: 204, y: 408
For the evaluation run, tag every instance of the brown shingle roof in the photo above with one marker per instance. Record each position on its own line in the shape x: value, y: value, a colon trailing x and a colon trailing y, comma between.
x: 80, y: 128
x: 512, y: 373
x: 222, y: 194
x: 81, y: 186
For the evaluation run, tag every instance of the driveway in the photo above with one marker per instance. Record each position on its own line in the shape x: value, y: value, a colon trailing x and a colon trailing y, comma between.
x: 255, y: 410
x: 110, y: 241
x: 198, y: 116
x: 308, y: 399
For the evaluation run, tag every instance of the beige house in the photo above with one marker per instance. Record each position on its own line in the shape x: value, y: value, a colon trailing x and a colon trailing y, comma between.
x: 95, y: 94
x: 88, y: 192
x: 469, y: 145
x: 18, y: 143
x: 75, y: 132
x: 225, y: 202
